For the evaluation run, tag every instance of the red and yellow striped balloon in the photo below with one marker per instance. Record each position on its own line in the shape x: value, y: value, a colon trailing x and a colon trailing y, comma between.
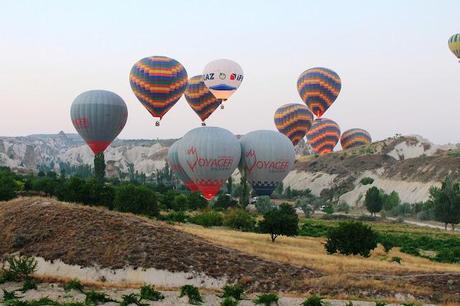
x: 354, y: 138
x: 200, y: 99
x: 158, y: 82
x: 319, y: 87
x: 323, y: 135
x: 293, y: 120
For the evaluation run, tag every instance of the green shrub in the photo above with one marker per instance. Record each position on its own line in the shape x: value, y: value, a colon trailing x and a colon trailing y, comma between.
x: 386, y: 243
x: 264, y: 205
x: 342, y: 207
x: 73, y: 284
x: 193, y: 294
x: 381, y: 303
x: 196, y: 201
x: 281, y: 221
x: 366, y: 181
x: 132, y: 298
x: 96, y: 298
x: 228, y: 301
x: 8, y: 186
x: 313, y: 229
x: 180, y: 203
x: 396, y: 259
x: 267, y: 299
x: 239, y: 219
x: 233, y: 291
x: 351, y: 238
x: 174, y: 216
x: 450, y: 255
x: 207, y: 219
x: 224, y: 201
x: 136, y: 199
x: 29, y: 284
x: 149, y: 293
x: 314, y: 300
x: 18, y: 268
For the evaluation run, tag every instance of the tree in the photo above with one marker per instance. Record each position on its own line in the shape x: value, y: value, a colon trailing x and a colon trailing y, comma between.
x: 99, y: 167
x: 264, y: 204
x: 391, y: 200
x: 446, y: 202
x: 244, y: 191
x: 351, y: 238
x: 373, y: 200
x: 196, y: 201
x: 230, y: 185
x: 240, y: 219
x: 224, y: 201
x: 8, y: 186
x: 281, y: 221
x: 136, y: 199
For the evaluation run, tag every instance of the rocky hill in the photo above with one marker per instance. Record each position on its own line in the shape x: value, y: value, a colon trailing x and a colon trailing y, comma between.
x: 409, y: 165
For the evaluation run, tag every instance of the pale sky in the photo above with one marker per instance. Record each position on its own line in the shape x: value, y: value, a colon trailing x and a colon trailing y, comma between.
x: 398, y: 75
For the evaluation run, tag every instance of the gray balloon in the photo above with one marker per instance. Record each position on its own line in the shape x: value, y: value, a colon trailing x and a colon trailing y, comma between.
x: 173, y: 161
x: 209, y: 155
x: 266, y: 159
x: 98, y: 116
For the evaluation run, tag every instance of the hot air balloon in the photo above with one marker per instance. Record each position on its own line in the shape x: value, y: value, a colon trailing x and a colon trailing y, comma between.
x: 98, y: 116
x: 266, y: 159
x: 319, y: 87
x: 173, y: 161
x: 209, y: 155
x: 355, y: 138
x: 158, y: 82
x: 200, y: 99
x: 222, y: 77
x: 293, y: 120
x: 454, y: 44
x: 323, y: 135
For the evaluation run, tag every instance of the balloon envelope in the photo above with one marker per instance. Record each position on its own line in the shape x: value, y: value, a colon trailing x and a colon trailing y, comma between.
x: 200, y: 99
x: 319, y: 87
x: 323, y: 135
x: 266, y: 159
x: 293, y: 120
x: 158, y: 83
x: 222, y: 77
x: 209, y: 155
x: 173, y: 161
x: 454, y: 44
x: 98, y: 116
x: 354, y: 138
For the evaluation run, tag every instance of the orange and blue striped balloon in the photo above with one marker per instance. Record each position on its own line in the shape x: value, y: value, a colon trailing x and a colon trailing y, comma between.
x: 158, y: 82
x: 319, y: 87
x: 200, y: 99
x: 323, y: 135
x: 354, y: 138
x: 293, y: 120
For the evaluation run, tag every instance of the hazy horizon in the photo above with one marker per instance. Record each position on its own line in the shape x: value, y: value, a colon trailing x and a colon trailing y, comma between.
x: 397, y: 71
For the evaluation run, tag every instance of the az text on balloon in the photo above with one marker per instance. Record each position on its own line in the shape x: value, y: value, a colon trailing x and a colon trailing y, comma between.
x: 222, y: 77
x: 98, y: 116
x: 319, y: 87
x: 266, y: 159
x: 158, y: 83
x: 354, y: 138
x: 200, y: 99
x: 209, y: 155
x: 323, y: 135
x: 293, y: 120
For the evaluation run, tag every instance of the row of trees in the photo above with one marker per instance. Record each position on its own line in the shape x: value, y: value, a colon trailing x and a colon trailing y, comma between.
x: 443, y: 204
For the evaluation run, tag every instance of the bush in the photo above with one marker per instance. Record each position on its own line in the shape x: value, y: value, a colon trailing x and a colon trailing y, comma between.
x: 8, y: 186
x: 314, y: 300
x: 180, y: 203
x: 304, y: 204
x: 281, y: 221
x: 390, y: 200
x: 342, y: 207
x: 228, y: 301
x: 233, y: 291
x: 351, y: 238
x: 136, y: 199
x: 18, y: 268
x: 267, y: 299
x: 174, y: 216
x: 366, y: 181
x: 449, y: 255
x: 224, y: 201
x: 193, y: 294
x: 149, y: 293
x: 207, y: 219
x: 264, y: 205
x: 313, y: 229
x: 96, y: 298
x: 240, y: 219
x: 196, y: 201
x: 396, y: 259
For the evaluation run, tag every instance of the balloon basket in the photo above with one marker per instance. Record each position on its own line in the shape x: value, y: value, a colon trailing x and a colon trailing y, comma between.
x: 203, y: 123
x: 157, y: 123
x: 222, y: 106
